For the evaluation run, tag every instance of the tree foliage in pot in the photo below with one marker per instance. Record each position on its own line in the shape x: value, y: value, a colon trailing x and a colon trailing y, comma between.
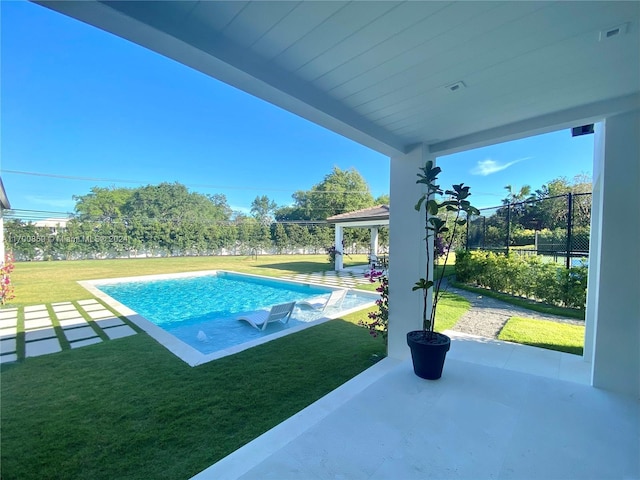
x: 428, y: 347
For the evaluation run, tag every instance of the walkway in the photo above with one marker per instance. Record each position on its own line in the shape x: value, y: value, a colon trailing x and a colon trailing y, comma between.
x: 349, y: 277
x: 487, y: 316
x: 56, y: 327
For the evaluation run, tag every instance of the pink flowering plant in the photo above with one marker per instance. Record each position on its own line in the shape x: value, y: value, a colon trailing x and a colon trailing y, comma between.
x: 379, y: 321
x: 6, y: 288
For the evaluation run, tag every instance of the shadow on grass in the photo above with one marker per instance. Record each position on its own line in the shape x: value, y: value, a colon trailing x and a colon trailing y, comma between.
x: 128, y: 408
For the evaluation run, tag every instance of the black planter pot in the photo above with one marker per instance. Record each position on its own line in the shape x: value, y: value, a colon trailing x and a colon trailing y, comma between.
x: 428, y: 352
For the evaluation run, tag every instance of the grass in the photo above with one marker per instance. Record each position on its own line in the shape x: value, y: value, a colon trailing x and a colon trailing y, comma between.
x: 524, y: 302
x: 544, y: 334
x: 130, y: 409
x: 450, y: 308
x: 46, y: 282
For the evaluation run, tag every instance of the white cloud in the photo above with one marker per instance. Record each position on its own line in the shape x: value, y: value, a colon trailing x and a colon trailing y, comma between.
x: 489, y: 166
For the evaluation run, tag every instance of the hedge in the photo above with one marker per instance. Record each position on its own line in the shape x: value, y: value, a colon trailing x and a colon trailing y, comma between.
x: 527, y: 277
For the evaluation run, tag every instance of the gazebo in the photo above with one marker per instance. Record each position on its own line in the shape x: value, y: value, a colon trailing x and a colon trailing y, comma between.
x: 372, y: 218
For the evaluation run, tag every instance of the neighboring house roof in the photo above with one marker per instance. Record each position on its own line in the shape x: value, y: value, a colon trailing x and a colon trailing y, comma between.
x: 4, y: 201
x: 378, y: 215
x: 52, y: 222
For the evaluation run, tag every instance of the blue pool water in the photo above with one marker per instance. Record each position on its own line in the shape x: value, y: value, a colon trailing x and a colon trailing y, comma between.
x: 202, y: 311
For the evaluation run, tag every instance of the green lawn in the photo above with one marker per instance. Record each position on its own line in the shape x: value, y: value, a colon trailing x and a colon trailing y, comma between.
x: 544, y: 334
x: 128, y: 408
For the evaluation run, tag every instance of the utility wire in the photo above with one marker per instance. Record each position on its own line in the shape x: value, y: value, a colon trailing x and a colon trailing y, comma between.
x: 193, y: 185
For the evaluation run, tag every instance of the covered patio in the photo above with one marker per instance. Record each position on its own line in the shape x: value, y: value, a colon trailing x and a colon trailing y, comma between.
x: 502, y: 411
x: 417, y: 81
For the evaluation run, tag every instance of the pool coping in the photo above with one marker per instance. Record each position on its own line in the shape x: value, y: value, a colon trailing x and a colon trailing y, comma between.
x: 180, y: 349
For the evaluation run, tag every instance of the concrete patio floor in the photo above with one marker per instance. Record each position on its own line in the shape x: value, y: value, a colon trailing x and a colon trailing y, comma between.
x: 501, y: 411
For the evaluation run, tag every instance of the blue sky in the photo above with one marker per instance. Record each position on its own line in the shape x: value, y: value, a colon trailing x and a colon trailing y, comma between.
x: 79, y: 102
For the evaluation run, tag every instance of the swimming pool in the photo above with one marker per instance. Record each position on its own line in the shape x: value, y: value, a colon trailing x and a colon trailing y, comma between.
x: 195, y: 314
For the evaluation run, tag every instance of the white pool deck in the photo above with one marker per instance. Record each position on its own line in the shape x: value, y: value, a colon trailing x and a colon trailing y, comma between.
x: 500, y: 411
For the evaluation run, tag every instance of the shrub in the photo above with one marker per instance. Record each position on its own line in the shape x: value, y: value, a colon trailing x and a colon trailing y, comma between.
x: 6, y: 288
x: 379, y: 321
x: 527, y: 277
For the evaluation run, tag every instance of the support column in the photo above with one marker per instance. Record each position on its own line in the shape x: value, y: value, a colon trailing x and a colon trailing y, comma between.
x: 613, y: 303
x: 374, y: 241
x: 407, y: 254
x: 339, y: 263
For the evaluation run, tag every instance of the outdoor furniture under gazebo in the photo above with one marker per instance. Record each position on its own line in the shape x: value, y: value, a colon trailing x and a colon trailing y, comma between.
x: 372, y: 218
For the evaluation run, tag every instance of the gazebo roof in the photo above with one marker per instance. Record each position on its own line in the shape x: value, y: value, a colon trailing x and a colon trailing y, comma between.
x: 372, y: 216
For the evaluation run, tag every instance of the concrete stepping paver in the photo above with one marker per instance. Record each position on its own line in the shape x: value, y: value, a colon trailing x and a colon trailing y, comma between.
x: 8, y: 322
x: 84, y: 343
x: 37, y: 314
x: 40, y: 334
x: 100, y: 314
x: 87, y: 302
x: 119, y: 332
x: 68, y: 314
x: 80, y: 333
x: 109, y: 322
x: 93, y: 307
x: 40, y: 337
x: 42, y: 347
x: 37, y: 323
x: 35, y: 308
x: 7, y: 345
x: 4, y: 314
x: 11, y: 357
x: 64, y: 308
x: 8, y: 332
x: 72, y: 322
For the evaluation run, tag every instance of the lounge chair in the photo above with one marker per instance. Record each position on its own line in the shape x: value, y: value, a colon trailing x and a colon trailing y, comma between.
x: 262, y: 318
x: 322, y: 303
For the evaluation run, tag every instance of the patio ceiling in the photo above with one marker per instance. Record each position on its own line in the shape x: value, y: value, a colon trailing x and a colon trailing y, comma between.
x: 384, y: 73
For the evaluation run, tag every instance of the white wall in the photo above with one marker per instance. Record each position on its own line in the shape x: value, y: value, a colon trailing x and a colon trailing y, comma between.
x: 406, y: 249
x: 613, y: 306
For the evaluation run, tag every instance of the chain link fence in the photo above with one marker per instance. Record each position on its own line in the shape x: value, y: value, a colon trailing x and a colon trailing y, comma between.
x: 556, y: 228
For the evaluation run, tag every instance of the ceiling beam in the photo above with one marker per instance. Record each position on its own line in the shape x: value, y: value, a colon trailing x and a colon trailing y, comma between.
x: 573, y: 117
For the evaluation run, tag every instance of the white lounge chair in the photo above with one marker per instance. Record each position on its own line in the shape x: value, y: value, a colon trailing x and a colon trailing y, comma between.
x: 262, y: 318
x: 322, y: 303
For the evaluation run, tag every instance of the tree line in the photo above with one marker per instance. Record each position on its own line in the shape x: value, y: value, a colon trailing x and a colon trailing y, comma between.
x: 169, y: 220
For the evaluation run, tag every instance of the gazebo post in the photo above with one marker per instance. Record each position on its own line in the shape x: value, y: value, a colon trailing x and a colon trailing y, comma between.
x: 338, y: 263
x: 374, y: 241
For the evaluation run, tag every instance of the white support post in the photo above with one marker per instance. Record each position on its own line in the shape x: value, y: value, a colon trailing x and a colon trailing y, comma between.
x: 374, y: 241
x: 339, y: 263
x: 407, y: 254
x: 613, y: 302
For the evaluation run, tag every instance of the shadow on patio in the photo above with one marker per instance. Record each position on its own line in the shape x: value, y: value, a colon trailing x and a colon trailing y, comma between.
x: 500, y: 410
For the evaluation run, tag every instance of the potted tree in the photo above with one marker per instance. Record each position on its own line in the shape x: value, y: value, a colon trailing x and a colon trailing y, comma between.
x: 428, y: 347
